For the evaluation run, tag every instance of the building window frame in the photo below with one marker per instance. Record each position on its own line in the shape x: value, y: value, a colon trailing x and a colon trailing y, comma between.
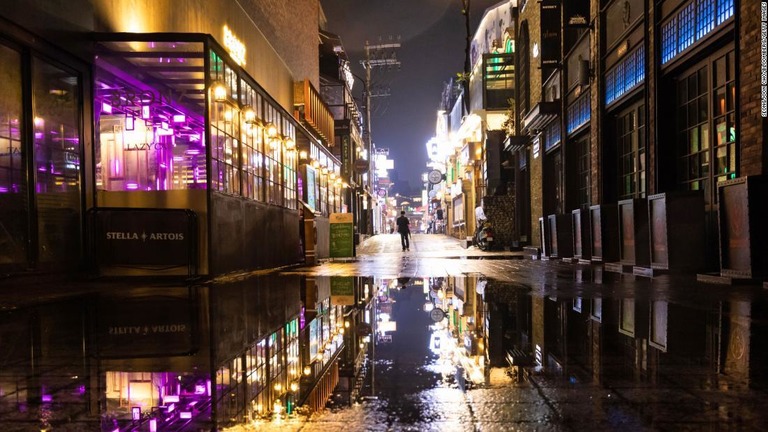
x: 631, y: 148
x: 706, y: 141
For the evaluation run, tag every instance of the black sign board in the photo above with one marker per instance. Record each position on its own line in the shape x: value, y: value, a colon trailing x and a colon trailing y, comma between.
x: 576, y: 13
x: 550, y: 33
x: 163, y: 237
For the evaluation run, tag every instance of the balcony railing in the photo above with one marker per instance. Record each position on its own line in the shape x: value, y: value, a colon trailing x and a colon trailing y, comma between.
x: 498, y: 80
x: 312, y: 111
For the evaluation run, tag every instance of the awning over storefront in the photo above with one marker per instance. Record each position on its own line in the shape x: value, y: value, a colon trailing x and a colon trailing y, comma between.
x: 514, y: 143
x: 541, y: 114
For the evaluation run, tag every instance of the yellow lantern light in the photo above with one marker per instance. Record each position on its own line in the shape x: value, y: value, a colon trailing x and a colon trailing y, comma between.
x: 271, y: 130
x: 219, y: 91
x: 249, y: 115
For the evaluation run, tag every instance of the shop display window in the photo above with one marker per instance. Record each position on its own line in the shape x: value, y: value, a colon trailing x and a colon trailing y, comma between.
x: 56, y: 152
x: 149, y: 100
x: 13, y: 197
x: 12, y: 172
x: 152, y: 101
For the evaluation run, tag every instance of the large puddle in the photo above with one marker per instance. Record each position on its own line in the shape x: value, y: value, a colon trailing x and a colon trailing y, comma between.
x: 453, y: 353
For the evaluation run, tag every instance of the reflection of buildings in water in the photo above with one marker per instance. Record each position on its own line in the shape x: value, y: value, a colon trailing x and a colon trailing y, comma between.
x: 175, y: 354
x: 386, y: 298
x: 358, y: 324
x: 645, y: 343
x: 455, y: 338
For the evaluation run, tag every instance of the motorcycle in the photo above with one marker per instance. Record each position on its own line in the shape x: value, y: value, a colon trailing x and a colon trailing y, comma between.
x: 484, y: 237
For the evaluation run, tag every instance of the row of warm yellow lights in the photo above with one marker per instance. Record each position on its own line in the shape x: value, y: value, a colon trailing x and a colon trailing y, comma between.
x: 336, y: 178
x: 249, y: 117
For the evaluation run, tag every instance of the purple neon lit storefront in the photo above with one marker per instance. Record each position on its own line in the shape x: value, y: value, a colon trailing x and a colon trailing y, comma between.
x: 179, y: 125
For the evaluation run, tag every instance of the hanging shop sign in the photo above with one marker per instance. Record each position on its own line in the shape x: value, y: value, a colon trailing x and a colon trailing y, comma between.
x: 362, y: 166
x: 435, y: 176
x: 162, y: 237
x: 437, y: 314
x: 550, y: 33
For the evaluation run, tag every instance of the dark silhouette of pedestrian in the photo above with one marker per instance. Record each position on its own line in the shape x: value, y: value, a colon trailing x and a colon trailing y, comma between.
x: 404, y: 230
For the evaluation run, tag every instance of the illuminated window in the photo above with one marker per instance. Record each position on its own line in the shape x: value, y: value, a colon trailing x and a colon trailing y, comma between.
x: 578, y: 112
x: 625, y: 76
x: 692, y: 22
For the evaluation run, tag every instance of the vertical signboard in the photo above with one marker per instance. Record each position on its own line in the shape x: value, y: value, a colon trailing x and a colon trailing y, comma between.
x: 550, y: 33
x: 346, y: 151
x: 311, y: 187
x: 342, y: 235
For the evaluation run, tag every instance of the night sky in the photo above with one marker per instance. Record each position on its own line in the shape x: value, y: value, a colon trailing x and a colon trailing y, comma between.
x: 432, y: 36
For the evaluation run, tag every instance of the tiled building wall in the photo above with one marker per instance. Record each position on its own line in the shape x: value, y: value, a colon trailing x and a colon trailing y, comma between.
x: 500, y: 210
x: 291, y: 28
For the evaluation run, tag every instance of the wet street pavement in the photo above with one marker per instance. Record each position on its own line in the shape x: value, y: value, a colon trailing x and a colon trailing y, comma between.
x: 439, y: 338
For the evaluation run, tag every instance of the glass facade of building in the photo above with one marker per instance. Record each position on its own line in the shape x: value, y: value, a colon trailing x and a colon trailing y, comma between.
x: 40, y: 160
x: 152, y: 133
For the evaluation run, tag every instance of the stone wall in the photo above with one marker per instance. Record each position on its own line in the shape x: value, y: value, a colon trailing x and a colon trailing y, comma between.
x: 500, y: 211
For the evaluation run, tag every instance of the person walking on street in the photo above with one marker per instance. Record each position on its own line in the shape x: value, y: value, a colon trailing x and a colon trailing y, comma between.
x: 405, y: 232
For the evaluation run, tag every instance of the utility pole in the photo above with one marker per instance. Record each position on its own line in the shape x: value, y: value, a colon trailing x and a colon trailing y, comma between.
x: 376, y: 56
x: 466, y: 4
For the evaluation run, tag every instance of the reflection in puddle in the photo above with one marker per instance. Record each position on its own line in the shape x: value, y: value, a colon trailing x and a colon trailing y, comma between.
x: 273, y: 352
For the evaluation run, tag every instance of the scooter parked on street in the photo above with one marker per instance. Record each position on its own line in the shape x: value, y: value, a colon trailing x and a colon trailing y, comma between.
x: 484, y: 237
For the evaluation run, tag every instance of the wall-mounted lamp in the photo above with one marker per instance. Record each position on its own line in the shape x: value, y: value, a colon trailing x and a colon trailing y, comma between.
x: 249, y: 115
x: 290, y: 144
x: 315, y: 164
x: 219, y: 91
x: 303, y: 154
x: 274, y: 143
x: 584, y: 73
x: 271, y: 129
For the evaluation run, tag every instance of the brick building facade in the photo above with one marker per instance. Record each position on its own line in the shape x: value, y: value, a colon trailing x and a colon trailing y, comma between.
x: 673, y: 108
